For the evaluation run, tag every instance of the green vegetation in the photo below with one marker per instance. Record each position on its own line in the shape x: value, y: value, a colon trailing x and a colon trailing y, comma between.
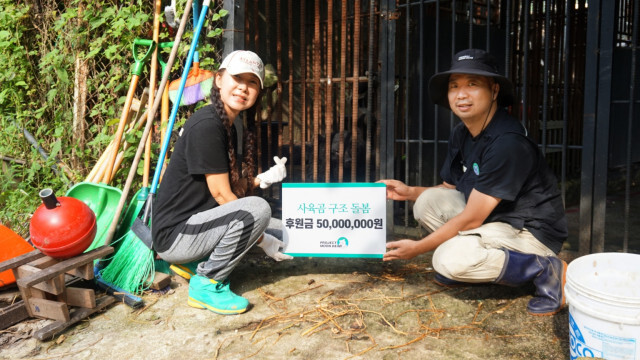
x: 45, y: 47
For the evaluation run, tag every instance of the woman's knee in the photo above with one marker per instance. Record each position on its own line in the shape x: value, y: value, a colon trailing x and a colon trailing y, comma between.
x: 259, y: 209
x: 259, y: 206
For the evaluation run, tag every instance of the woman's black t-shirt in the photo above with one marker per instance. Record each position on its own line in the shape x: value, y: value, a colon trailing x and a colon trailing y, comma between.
x: 201, y: 148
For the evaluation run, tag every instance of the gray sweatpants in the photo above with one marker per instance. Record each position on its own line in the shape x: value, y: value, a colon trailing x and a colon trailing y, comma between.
x: 474, y: 255
x: 223, y: 235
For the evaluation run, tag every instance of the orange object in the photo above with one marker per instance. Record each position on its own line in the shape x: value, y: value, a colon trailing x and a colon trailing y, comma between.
x: 12, y: 245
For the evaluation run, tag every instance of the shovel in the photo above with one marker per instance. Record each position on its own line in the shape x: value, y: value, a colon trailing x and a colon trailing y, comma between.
x: 132, y: 266
x: 102, y: 198
x: 137, y: 202
x: 109, y: 286
x: 164, y: 108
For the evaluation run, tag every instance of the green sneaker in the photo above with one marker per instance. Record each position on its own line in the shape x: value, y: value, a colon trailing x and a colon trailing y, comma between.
x: 185, y: 270
x: 216, y: 296
x: 162, y: 266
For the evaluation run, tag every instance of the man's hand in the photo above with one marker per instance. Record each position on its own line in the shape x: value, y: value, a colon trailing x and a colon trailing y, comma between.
x: 397, y: 190
x: 401, y: 249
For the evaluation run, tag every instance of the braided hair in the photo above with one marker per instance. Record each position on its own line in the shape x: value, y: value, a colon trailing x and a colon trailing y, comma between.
x: 249, y: 145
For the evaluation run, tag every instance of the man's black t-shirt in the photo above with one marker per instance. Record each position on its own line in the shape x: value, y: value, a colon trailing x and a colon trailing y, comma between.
x: 202, y: 148
x: 503, y: 162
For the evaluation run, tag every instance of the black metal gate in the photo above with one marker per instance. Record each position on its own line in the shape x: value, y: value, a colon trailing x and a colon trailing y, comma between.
x: 350, y: 101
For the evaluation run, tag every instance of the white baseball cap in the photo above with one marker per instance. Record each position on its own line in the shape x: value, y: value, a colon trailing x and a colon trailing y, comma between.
x: 244, y: 61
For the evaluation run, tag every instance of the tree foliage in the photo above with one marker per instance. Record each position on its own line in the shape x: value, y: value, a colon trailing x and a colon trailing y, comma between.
x: 41, y: 44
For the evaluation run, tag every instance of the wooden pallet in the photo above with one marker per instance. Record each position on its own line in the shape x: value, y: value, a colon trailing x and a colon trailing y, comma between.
x: 42, y: 284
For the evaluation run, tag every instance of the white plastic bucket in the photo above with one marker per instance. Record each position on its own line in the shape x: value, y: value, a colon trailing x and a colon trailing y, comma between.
x: 603, y: 292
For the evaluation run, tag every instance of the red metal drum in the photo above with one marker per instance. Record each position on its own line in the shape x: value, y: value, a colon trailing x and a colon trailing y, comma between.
x: 62, y: 227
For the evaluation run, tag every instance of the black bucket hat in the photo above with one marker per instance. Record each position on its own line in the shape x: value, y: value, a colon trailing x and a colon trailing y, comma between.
x: 473, y: 62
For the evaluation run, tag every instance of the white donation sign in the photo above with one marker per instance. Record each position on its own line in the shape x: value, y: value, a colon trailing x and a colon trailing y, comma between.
x: 334, y: 219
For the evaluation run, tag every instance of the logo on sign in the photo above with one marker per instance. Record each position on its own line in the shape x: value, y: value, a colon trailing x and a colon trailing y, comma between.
x: 342, y: 242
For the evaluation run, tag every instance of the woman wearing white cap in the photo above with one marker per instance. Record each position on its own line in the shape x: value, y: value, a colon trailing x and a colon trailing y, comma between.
x: 203, y: 216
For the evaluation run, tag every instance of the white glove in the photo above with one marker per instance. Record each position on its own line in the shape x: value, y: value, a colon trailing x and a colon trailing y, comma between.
x: 271, y: 246
x: 275, y: 174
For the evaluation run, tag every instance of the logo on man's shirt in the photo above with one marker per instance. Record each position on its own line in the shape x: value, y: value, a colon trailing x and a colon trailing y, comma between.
x: 476, y: 169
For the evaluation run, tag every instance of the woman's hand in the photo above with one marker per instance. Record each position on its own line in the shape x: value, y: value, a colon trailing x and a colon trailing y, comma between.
x: 275, y: 174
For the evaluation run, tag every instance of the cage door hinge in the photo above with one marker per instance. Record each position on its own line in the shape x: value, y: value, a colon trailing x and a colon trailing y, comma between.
x: 391, y: 15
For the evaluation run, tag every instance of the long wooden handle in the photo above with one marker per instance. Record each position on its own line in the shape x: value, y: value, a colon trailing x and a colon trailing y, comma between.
x: 147, y: 128
x: 120, y: 130
x: 152, y: 85
x: 97, y: 172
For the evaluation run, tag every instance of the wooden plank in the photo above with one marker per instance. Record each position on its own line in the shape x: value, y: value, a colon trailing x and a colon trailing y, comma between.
x: 66, y: 265
x: 50, y: 331
x: 84, y: 271
x: 13, y: 314
x: 53, y: 286
x: 44, y: 262
x: 85, y: 298
x: 27, y: 293
x: 36, y: 293
x: 20, y: 260
x: 160, y: 281
x: 49, y: 309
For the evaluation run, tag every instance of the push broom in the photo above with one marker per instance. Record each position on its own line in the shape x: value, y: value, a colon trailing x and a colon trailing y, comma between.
x: 132, y: 267
x: 111, y: 287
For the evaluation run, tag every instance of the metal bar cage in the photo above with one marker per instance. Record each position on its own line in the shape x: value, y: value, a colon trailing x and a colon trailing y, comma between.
x: 350, y: 102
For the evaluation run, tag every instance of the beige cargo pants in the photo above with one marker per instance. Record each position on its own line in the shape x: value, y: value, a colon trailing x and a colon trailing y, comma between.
x: 475, y: 255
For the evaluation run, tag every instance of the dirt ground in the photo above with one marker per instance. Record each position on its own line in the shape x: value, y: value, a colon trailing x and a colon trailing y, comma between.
x: 314, y: 308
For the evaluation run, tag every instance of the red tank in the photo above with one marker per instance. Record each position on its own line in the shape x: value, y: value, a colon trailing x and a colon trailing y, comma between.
x: 62, y: 227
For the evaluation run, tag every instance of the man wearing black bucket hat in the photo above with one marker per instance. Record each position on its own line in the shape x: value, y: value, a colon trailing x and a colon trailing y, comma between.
x: 498, y: 216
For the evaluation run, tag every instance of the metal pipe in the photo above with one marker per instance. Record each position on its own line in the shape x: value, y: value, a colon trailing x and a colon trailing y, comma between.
x: 343, y: 83
x: 248, y: 23
x: 356, y: 90
x: 291, y: 89
x: 507, y: 45
x: 627, y: 189
x: 316, y: 86
x: 420, y: 94
x: 436, y: 118
x: 279, y: 90
x: 546, y: 75
x: 303, y: 92
x: 489, y: 26
x: 525, y: 82
x: 407, y: 152
x: 329, y: 109
x: 565, y: 100
x: 470, y: 24
x: 453, y: 48
x: 267, y: 43
x: 367, y: 171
